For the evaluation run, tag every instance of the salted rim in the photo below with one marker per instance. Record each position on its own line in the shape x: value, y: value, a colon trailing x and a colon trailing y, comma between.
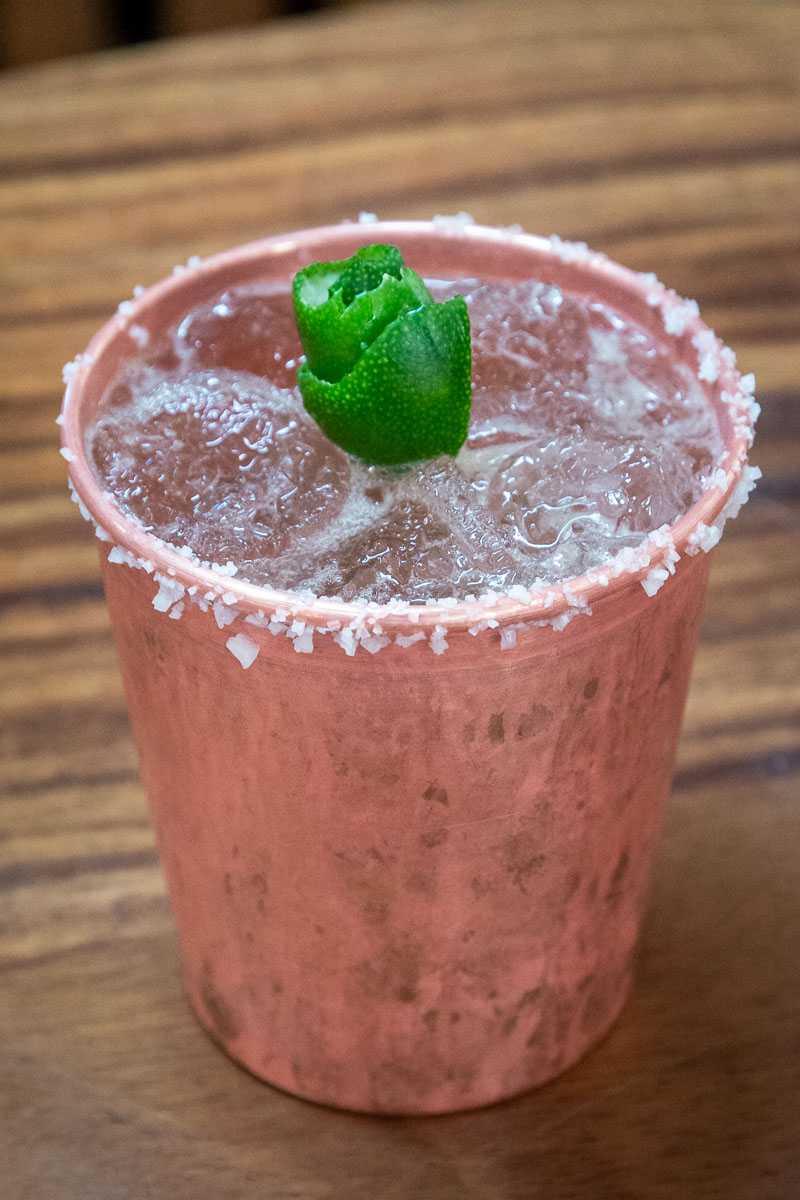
x: 716, y: 372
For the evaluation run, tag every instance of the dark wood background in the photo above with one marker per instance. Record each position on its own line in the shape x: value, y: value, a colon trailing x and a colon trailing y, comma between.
x: 667, y: 135
x: 37, y: 30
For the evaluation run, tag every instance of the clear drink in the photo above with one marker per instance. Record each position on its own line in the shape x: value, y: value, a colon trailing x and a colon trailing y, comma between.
x: 586, y: 435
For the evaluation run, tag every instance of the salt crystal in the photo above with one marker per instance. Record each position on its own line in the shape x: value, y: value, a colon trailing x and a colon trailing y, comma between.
x: 707, y: 347
x: 438, y: 639
x: 677, y: 314
x: 570, y: 252
x: 125, y: 308
x: 373, y: 643
x: 138, y: 290
x: 451, y: 221
x: 740, y: 494
x: 704, y: 340
x: 244, y: 649
x: 367, y: 218
x: 169, y: 592
x: 508, y: 638
x: 69, y: 370
x: 671, y: 558
x: 347, y: 640
x: 117, y: 555
x: 655, y: 289
x: 176, y: 612
x: 654, y: 580
x: 486, y: 623
x: 650, y: 280
x: 223, y: 614
x: 67, y: 454
x: 703, y: 537
x: 753, y: 412
x: 709, y: 368
x: 139, y: 334
x: 59, y: 419
x: 518, y: 592
x: 304, y: 642
x: 574, y: 599
x: 408, y: 639
x: 257, y: 618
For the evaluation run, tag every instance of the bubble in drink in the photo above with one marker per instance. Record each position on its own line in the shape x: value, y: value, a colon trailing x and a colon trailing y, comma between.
x: 585, y: 436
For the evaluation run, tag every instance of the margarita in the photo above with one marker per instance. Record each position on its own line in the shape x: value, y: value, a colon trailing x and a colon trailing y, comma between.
x: 585, y: 435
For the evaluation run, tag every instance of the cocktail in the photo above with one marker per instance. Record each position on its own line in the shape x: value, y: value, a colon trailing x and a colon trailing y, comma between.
x: 406, y: 646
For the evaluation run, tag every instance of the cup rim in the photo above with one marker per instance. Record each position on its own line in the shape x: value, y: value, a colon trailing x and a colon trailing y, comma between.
x: 546, y: 601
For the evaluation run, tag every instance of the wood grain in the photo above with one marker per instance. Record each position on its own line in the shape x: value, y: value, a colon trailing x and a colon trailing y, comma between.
x: 666, y: 135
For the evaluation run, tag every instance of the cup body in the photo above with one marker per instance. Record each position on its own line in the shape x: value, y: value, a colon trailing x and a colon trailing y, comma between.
x: 404, y: 882
x: 407, y: 882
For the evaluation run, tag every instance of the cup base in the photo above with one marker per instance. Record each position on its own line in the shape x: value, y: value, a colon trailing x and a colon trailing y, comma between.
x: 484, y: 1100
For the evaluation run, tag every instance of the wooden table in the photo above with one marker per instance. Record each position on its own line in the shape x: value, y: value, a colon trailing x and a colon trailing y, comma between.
x: 667, y: 135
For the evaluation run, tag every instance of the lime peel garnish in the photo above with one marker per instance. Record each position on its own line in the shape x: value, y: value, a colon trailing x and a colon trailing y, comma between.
x: 388, y: 371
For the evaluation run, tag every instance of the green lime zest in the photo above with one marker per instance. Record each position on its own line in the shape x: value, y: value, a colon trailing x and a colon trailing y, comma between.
x: 388, y: 371
x: 366, y: 269
x: 341, y: 307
